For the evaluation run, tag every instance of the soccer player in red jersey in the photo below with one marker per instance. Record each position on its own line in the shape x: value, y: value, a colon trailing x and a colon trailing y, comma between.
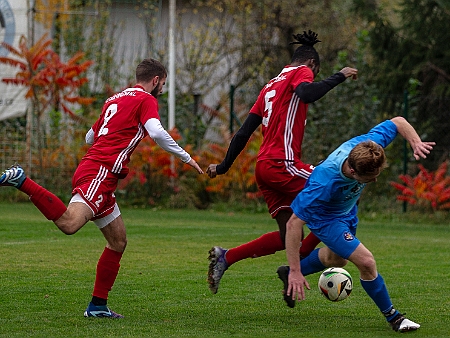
x: 281, y: 110
x: 126, y: 118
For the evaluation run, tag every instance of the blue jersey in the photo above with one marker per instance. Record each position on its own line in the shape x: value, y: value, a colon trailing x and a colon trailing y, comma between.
x: 328, y: 194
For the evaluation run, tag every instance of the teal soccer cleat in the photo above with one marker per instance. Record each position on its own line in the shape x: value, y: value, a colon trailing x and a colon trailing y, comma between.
x: 100, y: 312
x: 14, y: 176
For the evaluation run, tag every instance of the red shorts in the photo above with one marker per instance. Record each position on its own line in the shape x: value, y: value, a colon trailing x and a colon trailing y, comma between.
x: 96, y: 185
x: 281, y: 181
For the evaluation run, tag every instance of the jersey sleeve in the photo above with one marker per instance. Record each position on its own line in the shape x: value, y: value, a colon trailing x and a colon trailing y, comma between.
x: 149, y: 110
x: 164, y: 140
x: 382, y: 134
x: 302, y: 74
x: 95, y: 126
x: 89, y: 138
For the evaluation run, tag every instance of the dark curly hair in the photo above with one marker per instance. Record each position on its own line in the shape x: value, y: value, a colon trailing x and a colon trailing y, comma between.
x: 306, y: 51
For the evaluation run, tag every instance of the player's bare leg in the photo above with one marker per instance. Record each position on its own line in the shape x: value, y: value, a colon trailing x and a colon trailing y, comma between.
x: 68, y: 219
x: 373, y: 283
x: 74, y: 218
x: 308, y: 244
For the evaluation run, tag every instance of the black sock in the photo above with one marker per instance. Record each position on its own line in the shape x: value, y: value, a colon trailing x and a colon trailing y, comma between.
x: 98, y: 301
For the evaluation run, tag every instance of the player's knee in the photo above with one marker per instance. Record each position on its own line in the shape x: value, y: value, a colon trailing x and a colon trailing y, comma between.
x: 119, y: 244
x: 330, y: 259
x: 70, y: 222
x: 338, y: 262
x: 367, y: 263
x: 67, y: 228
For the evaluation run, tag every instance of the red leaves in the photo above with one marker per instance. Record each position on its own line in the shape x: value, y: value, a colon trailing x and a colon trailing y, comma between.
x: 51, y: 82
x: 150, y: 161
x: 13, y: 62
x: 427, y: 188
x: 241, y: 175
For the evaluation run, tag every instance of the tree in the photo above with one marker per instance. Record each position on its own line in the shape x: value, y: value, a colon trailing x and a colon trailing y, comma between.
x: 52, y: 84
x: 245, y: 43
x: 411, y: 53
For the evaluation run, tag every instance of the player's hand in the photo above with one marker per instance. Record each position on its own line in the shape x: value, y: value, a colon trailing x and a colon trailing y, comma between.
x: 211, y: 171
x: 422, y: 149
x: 296, y: 285
x: 194, y: 164
x: 350, y: 72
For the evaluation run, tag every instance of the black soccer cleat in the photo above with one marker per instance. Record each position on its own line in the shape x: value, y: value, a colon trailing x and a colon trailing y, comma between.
x: 401, y: 324
x: 283, y: 274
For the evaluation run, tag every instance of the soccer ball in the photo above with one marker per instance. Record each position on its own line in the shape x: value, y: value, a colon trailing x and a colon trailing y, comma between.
x: 335, y: 284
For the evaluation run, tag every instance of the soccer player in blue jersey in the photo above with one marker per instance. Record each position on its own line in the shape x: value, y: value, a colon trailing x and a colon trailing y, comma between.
x: 327, y: 205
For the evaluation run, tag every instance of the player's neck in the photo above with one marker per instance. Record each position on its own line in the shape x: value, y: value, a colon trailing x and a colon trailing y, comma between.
x: 296, y: 64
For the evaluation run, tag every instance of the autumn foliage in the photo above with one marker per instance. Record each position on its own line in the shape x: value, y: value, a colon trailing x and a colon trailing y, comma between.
x: 427, y: 189
x: 52, y: 83
x: 150, y: 160
x: 241, y: 176
x: 152, y: 170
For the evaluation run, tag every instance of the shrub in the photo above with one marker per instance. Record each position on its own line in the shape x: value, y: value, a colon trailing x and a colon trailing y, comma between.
x: 239, y: 183
x: 427, y: 189
x: 154, y: 178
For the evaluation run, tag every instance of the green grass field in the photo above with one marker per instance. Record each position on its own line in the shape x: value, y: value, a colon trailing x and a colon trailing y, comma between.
x: 46, y: 280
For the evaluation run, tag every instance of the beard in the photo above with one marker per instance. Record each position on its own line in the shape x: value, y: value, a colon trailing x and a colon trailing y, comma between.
x: 155, y: 92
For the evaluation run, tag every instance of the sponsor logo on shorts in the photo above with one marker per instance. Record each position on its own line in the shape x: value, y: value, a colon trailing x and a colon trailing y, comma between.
x: 348, y: 236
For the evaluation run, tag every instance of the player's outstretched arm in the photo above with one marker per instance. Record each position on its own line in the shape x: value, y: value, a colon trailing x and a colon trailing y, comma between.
x: 237, y: 144
x: 194, y: 164
x: 420, y: 149
x: 310, y: 92
x: 296, y: 281
x: 165, y: 141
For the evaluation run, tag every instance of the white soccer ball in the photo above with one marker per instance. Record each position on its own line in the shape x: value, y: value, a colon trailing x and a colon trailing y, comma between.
x: 335, y: 284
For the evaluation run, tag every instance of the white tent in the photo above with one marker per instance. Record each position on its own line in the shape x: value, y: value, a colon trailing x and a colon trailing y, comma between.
x: 13, y: 24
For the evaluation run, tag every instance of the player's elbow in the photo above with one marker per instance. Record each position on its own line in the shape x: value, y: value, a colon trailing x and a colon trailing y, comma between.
x: 398, y: 120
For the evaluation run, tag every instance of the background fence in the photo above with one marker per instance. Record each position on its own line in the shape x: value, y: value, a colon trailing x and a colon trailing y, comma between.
x: 53, y: 163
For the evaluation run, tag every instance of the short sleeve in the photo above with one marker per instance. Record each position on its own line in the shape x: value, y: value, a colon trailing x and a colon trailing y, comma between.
x: 148, y: 109
x: 302, y: 74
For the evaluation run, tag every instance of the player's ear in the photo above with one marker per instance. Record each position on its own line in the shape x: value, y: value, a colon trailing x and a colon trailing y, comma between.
x: 315, y: 67
x: 155, y: 81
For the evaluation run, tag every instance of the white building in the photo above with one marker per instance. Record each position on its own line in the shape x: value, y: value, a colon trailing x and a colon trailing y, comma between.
x: 136, y: 29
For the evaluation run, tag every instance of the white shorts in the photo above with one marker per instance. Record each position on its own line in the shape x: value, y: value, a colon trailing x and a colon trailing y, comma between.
x: 99, y: 222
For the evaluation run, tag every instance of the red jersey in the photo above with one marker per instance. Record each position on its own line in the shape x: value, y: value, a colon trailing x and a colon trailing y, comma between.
x: 283, y: 115
x: 120, y: 128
